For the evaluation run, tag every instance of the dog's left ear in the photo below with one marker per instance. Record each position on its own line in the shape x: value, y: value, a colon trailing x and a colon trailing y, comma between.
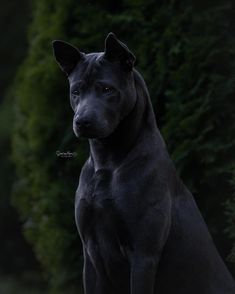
x: 66, y: 55
x: 115, y: 50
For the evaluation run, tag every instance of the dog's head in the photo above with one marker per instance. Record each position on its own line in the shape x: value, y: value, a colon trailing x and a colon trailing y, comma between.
x: 102, y: 90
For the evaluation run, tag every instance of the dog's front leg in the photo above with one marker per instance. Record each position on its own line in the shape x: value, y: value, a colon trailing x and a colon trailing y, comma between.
x: 94, y: 281
x: 148, y: 242
x: 143, y: 272
x: 89, y: 275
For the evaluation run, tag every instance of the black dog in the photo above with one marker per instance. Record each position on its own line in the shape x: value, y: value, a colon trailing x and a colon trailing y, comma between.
x: 141, y: 230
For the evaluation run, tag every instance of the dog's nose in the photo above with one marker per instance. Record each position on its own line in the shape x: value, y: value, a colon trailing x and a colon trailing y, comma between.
x: 82, y: 123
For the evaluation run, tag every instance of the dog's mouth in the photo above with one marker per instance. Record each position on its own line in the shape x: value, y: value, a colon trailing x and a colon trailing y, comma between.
x: 91, y: 133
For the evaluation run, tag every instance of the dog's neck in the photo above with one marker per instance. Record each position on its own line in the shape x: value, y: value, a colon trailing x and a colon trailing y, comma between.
x: 110, y: 152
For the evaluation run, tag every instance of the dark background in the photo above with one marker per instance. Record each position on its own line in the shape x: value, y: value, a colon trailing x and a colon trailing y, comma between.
x: 185, y: 50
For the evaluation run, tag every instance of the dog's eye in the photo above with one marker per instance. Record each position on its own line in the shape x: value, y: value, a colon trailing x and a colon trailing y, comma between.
x: 76, y: 92
x: 107, y: 90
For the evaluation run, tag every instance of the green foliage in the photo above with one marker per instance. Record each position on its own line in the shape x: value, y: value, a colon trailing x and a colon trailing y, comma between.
x: 199, y: 124
x: 185, y: 58
x: 16, y: 257
x: 13, y: 22
x: 230, y: 212
x: 44, y: 192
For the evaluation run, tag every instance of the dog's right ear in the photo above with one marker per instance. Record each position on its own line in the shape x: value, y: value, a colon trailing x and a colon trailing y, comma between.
x: 115, y: 50
x: 66, y: 55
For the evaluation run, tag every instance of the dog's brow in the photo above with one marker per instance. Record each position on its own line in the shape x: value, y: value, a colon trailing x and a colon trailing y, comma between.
x: 78, y: 83
x: 104, y: 82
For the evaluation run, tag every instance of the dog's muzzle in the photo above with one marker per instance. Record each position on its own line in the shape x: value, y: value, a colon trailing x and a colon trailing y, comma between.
x: 91, y: 127
x: 82, y: 126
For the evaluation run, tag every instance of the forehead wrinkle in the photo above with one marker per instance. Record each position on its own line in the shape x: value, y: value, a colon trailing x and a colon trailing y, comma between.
x: 91, y: 70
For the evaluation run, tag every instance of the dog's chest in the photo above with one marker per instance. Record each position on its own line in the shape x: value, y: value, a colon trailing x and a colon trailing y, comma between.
x: 96, y: 208
x: 98, y: 187
x: 99, y: 220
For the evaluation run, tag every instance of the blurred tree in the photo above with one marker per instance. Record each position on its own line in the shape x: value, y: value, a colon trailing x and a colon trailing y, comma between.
x: 184, y: 53
x: 230, y: 203
x: 16, y: 256
x: 44, y: 192
x: 199, y: 122
x: 13, y: 24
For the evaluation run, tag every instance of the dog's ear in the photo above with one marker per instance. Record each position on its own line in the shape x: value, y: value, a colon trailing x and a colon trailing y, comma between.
x: 115, y: 50
x: 66, y: 55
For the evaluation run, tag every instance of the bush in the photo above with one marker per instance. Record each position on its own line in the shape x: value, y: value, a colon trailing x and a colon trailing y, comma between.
x: 182, y: 54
